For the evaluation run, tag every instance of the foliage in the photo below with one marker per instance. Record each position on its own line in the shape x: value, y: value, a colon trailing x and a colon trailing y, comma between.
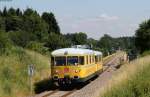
x: 105, y: 41
x: 44, y: 85
x: 142, y: 36
x: 27, y: 26
x: 4, y: 42
x: 13, y: 23
x: 19, y: 38
x: 93, y: 43
x: 36, y: 46
x: 56, y: 41
x: 145, y: 53
x: 34, y: 24
x: 110, y: 44
x: 49, y: 18
x: 2, y: 24
x: 77, y: 38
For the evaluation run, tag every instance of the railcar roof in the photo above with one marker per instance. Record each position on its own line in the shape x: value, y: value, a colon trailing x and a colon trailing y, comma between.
x: 73, y: 51
x: 97, y: 53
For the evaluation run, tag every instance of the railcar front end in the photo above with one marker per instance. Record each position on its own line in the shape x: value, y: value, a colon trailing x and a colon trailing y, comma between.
x: 75, y: 68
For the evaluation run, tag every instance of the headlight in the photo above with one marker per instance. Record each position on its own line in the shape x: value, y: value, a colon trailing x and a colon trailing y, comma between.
x: 56, y: 71
x: 76, y: 71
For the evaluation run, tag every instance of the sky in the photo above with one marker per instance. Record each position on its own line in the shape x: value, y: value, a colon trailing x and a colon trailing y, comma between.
x: 117, y: 18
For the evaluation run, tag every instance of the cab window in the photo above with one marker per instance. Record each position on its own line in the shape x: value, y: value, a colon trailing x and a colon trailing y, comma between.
x: 60, y: 61
x: 72, y: 60
x: 52, y: 60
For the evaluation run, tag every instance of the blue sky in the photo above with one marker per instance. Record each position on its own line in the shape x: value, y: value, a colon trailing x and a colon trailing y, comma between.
x: 94, y: 17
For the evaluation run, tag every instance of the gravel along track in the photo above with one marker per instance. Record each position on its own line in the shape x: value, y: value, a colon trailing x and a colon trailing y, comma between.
x: 89, y: 90
x: 56, y: 93
x: 95, y: 87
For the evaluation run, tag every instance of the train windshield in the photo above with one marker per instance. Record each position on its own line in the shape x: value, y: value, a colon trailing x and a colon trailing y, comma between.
x: 60, y: 61
x: 72, y: 60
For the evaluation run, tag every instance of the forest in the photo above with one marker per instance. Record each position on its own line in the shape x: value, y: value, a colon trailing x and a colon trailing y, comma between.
x: 28, y: 29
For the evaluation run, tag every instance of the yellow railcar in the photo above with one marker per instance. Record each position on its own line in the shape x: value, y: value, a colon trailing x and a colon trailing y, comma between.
x: 73, y: 65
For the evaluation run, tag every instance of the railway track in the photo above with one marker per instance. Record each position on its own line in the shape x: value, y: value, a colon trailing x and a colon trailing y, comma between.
x: 50, y: 93
x: 58, y: 93
x: 62, y: 93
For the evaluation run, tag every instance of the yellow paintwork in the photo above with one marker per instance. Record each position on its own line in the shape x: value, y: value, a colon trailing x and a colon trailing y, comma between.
x: 83, y: 70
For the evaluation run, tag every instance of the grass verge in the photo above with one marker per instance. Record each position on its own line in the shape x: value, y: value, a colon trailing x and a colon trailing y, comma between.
x: 14, y: 79
x: 132, y: 80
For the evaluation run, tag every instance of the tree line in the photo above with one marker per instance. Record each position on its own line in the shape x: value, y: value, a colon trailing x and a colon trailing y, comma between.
x: 29, y: 29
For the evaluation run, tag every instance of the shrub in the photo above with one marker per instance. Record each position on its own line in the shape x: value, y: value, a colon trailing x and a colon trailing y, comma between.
x: 4, y: 42
x: 19, y: 38
x: 36, y: 46
x: 145, y: 53
x: 43, y: 85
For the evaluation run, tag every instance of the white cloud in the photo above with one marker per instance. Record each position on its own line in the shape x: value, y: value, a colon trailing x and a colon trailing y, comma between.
x: 97, y: 19
x: 96, y: 26
x: 107, y: 17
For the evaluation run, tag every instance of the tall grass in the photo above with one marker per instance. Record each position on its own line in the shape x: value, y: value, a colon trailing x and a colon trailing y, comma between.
x: 132, y: 80
x: 14, y: 79
x: 145, y: 53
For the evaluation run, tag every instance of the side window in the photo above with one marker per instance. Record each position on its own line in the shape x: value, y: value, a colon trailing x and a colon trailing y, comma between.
x: 91, y: 59
x: 81, y: 60
x: 96, y: 59
x: 87, y: 60
x: 100, y: 59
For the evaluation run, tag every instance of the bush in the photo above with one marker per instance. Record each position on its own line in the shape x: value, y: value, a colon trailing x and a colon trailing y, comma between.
x: 4, y: 42
x: 36, y: 46
x: 43, y: 85
x: 55, y: 41
x: 145, y: 53
x: 19, y: 38
x: 142, y: 36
